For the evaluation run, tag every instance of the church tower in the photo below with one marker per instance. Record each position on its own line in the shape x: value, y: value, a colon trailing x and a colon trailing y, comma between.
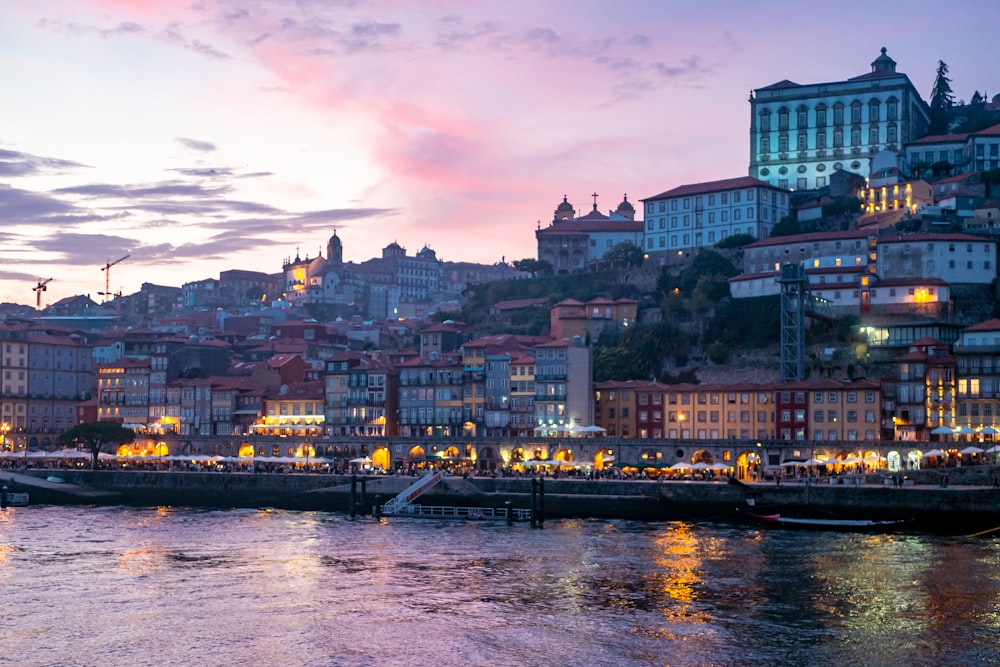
x: 335, y: 251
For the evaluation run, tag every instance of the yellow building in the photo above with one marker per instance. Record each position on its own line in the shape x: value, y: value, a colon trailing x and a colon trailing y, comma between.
x: 878, y: 196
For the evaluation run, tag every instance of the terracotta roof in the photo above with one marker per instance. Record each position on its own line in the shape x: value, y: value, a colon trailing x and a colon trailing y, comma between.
x: 713, y: 186
x: 940, y: 139
x: 808, y: 238
x: 582, y: 225
x: 988, y: 325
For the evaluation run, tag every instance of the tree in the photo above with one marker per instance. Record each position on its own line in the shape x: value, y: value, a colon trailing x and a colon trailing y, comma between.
x: 533, y: 266
x: 254, y: 293
x: 624, y: 255
x: 942, y: 100
x: 95, y: 435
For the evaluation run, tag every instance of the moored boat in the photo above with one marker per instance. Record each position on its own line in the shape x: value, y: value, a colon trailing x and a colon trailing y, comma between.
x: 821, y: 523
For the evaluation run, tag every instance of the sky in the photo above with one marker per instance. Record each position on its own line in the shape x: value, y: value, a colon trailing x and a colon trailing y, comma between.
x: 199, y: 136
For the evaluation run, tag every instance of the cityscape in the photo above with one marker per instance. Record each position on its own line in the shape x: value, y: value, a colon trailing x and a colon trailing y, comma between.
x: 352, y: 333
x: 324, y: 351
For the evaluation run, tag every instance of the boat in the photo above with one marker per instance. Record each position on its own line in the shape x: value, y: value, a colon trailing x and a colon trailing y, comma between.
x: 820, y: 523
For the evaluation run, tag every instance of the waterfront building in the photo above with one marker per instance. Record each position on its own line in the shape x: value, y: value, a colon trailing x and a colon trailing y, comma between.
x: 430, y: 396
x: 563, y: 379
x: 919, y: 391
x: 289, y: 410
x: 59, y: 374
x: 522, y: 394
x: 338, y: 391
x: 977, y: 355
x: 123, y: 392
x: 700, y: 215
x: 373, y: 399
x: 615, y: 407
x: 800, y: 134
x: 572, y: 243
x: 828, y: 410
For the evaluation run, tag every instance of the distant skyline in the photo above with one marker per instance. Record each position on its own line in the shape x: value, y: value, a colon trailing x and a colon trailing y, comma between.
x: 208, y: 135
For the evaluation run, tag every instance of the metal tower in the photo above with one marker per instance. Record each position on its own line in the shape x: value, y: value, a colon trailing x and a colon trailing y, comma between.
x: 794, y: 288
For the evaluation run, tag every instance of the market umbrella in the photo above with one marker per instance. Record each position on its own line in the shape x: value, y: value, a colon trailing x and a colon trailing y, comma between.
x: 943, y: 430
x: 989, y: 430
x: 933, y: 452
x: 965, y: 430
x: 971, y: 449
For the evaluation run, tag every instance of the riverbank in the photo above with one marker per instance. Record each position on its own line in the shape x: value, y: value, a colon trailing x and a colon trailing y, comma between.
x: 957, y: 508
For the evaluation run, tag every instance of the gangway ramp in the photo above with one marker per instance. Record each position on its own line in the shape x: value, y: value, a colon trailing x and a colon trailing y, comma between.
x: 412, y: 492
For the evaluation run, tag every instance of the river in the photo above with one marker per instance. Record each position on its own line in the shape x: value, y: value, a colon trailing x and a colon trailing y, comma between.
x: 125, y: 586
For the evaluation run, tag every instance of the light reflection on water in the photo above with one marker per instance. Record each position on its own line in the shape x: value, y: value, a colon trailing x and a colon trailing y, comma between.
x: 99, y: 586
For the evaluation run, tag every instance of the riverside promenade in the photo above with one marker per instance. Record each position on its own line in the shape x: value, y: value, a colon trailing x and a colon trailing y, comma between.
x: 966, y: 503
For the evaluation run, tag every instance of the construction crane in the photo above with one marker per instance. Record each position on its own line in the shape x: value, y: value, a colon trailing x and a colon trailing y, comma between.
x: 38, y: 289
x: 107, y: 275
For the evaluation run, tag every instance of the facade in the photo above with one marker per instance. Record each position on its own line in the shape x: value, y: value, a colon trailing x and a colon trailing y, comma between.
x: 563, y: 377
x: 570, y: 317
x: 919, y: 394
x: 977, y: 394
x: 800, y: 134
x: 954, y: 153
x: 700, y: 215
x: 572, y: 243
x: 864, y: 271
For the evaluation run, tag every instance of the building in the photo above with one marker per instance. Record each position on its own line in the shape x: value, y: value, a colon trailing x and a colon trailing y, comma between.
x: 864, y: 271
x: 919, y: 393
x: 572, y: 243
x: 800, y: 134
x: 954, y: 153
x: 570, y: 317
x: 702, y: 214
x: 563, y: 379
x: 977, y: 358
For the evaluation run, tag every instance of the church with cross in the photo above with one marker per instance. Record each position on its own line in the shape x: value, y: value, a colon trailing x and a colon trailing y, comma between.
x: 571, y: 243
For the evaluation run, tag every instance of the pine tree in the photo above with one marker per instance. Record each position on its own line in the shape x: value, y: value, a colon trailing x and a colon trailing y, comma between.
x: 942, y: 100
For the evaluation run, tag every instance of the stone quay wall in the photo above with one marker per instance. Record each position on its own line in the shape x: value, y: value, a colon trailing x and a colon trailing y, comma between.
x: 954, y: 507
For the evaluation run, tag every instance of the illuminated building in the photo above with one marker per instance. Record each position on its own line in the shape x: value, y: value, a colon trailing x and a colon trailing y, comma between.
x: 702, y: 214
x: 800, y: 134
x: 977, y: 354
x: 572, y: 243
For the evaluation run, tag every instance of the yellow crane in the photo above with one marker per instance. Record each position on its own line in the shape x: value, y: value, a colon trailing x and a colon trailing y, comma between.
x: 107, y: 275
x: 38, y: 289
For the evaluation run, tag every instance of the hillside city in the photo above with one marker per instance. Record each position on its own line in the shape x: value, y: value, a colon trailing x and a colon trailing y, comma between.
x: 842, y: 291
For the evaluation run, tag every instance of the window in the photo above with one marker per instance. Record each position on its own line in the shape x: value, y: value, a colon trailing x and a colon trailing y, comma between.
x: 821, y: 140
x: 821, y: 116
x: 856, y: 112
x: 838, y: 138
x: 765, y: 121
x: 800, y: 184
x: 783, y: 119
x: 783, y: 143
x: 801, y: 141
x: 838, y: 114
x: 873, y: 135
x: 873, y: 112
x: 856, y: 137
x: 802, y: 118
x: 765, y: 144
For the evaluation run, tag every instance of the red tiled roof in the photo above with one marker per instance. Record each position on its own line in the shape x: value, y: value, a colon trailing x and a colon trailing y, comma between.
x: 988, y: 325
x: 940, y: 139
x: 713, y: 186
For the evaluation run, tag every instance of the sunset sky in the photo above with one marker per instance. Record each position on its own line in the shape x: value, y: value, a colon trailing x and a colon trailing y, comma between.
x: 199, y: 136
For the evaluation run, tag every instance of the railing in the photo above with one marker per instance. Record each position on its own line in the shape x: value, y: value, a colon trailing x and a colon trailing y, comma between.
x: 445, y: 512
